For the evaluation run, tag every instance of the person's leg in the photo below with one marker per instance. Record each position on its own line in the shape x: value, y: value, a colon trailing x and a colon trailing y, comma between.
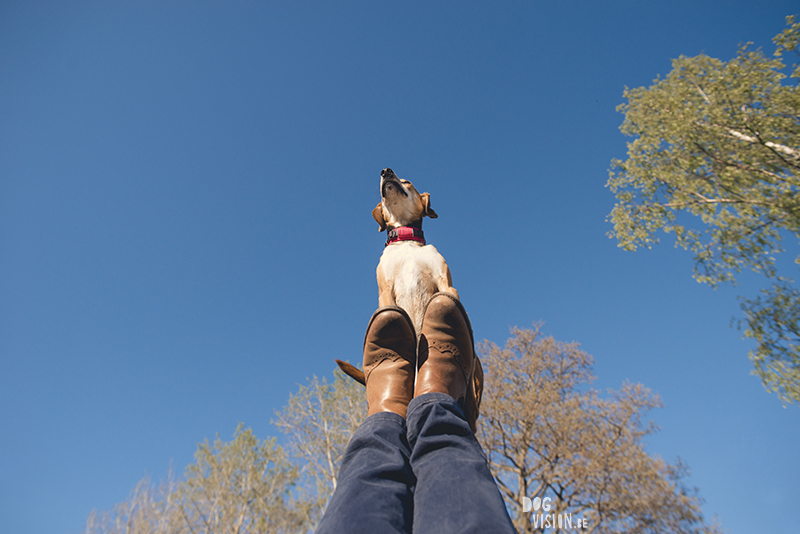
x: 374, y: 490
x: 373, y: 493
x: 455, y: 491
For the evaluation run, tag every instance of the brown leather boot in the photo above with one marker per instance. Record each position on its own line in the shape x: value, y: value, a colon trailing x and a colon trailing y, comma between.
x: 390, y: 351
x: 447, y: 361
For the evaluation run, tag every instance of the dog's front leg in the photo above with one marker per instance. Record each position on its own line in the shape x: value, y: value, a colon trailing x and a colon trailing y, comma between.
x: 385, y: 289
x: 444, y: 282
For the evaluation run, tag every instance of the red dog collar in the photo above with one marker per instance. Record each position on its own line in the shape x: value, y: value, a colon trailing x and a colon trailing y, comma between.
x: 405, y: 233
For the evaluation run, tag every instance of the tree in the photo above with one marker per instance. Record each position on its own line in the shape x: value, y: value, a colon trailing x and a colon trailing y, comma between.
x: 551, y: 439
x: 545, y: 433
x: 318, y: 421
x: 240, y: 487
x: 243, y: 486
x: 716, y: 162
x: 150, y: 509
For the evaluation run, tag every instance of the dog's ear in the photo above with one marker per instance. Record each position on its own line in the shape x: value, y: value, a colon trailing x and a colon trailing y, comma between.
x: 426, y: 203
x: 377, y: 214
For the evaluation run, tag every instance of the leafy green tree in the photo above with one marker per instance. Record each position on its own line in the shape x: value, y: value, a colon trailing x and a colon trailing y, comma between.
x: 548, y: 436
x: 716, y: 162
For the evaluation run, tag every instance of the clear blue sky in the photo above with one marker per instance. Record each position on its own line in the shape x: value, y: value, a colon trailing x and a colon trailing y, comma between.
x: 185, y: 229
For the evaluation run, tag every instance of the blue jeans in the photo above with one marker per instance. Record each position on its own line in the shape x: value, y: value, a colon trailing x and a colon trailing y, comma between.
x: 425, y: 473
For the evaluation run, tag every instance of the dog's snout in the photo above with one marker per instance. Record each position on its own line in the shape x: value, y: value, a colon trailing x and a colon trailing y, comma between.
x: 387, y: 172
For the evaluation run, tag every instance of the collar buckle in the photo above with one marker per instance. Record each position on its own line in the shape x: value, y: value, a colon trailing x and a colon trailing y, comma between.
x: 405, y: 233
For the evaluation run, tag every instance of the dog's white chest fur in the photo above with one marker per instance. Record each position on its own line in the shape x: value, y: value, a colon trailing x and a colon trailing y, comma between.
x: 414, y: 270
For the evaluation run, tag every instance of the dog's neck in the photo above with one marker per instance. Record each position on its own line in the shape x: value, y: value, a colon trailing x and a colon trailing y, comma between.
x: 409, y: 232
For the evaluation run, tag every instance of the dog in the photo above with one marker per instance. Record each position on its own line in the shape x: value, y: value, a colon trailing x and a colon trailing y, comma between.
x: 410, y: 271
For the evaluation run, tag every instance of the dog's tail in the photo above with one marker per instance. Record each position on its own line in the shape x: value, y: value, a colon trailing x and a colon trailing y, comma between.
x: 352, y: 371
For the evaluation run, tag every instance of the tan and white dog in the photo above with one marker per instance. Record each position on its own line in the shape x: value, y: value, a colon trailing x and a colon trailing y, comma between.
x: 410, y: 272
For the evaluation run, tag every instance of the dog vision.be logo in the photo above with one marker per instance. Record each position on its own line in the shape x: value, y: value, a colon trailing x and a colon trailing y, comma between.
x: 542, y: 518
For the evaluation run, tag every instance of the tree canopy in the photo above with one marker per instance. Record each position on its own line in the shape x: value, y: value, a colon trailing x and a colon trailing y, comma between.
x: 716, y: 162
x: 549, y: 436
x: 243, y: 486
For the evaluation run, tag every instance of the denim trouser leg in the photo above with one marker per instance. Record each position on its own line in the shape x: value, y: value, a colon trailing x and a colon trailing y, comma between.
x: 373, y: 493
x: 455, y: 490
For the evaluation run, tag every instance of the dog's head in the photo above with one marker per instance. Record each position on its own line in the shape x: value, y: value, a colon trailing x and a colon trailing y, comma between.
x: 400, y: 204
